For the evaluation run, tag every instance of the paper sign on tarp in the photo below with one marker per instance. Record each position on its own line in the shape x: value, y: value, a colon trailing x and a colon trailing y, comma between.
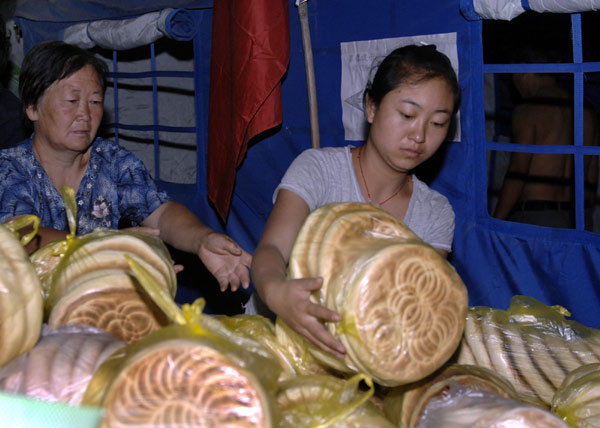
x: 359, y: 63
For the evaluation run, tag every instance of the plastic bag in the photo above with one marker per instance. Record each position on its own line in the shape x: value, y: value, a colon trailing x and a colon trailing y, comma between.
x: 462, y: 407
x: 60, y: 365
x: 531, y: 344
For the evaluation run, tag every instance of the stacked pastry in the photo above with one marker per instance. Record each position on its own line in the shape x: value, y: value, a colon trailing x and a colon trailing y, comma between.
x: 463, y: 407
x: 60, y: 365
x: 21, y: 303
x: 89, y: 281
x: 184, y: 376
x: 404, y: 405
x: 532, y: 345
x: 403, y: 306
x: 576, y: 399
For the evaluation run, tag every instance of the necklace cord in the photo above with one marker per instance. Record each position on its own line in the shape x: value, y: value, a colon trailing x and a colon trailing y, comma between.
x: 362, y: 174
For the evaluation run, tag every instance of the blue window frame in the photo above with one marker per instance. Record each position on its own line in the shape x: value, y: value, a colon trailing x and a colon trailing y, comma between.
x: 580, y: 74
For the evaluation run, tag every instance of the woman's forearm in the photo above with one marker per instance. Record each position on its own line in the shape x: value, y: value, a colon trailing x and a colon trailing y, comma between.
x: 268, y: 271
x: 178, y: 226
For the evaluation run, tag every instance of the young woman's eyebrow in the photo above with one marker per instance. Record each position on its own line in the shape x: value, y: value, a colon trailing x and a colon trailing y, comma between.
x: 416, y: 104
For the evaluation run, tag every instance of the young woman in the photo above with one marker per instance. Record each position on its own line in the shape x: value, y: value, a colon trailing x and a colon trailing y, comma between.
x: 410, y: 105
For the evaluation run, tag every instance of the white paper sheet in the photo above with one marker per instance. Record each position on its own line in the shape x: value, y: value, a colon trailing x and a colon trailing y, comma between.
x: 360, y: 60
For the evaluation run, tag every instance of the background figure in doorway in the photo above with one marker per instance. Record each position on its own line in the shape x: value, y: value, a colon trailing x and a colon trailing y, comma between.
x: 11, y: 112
x: 539, y: 188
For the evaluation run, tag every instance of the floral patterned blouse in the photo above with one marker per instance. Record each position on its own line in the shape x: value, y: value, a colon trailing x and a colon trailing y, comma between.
x: 116, y: 186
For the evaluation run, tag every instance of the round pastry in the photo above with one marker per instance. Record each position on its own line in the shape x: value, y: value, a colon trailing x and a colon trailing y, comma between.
x: 404, y: 405
x: 404, y: 314
x: 184, y: 383
x: 352, y: 235
x: 112, y: 302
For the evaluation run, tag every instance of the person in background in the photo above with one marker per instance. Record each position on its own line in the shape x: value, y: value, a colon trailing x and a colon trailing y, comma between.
x: 410, y: 106
x: 62, y: 90
x: 11, y: 112
x: 538, y: 188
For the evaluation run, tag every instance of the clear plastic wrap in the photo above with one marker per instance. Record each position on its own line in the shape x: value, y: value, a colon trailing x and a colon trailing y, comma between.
x: 303, y: 362
x: 324, y: 400
x: 404, y: 404
x: 21, y: 301
x: 462, y: 407
x: 198, y: 372
x: 577, y: 399
x: 192, y: 375
x: 87, y: 278
x: 531, y: 344
x: 92, y: 283
x: 262, y: 330
x: 403, y: 306
x: 60, y: 365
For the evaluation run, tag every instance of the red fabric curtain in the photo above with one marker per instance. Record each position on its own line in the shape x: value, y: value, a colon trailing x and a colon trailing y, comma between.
x: 250, y: 54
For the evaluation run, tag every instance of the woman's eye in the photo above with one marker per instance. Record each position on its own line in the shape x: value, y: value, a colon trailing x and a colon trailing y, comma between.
x: 406, y: 116
x: 440, y: 124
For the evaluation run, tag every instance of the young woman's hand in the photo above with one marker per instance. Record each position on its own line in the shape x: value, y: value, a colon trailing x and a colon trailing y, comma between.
x: 226, y: 260
x: 291, y: 301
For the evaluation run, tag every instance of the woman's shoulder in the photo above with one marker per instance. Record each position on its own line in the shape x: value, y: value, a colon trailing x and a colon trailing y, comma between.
x: 426, y: 195
x: 324, y: 155
x: 106, y: 145
x: 18, y: 167
x: 19, y: 154
x: 108, y: 150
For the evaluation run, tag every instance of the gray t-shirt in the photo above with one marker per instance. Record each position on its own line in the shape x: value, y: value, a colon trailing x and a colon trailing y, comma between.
x: 325, y: 175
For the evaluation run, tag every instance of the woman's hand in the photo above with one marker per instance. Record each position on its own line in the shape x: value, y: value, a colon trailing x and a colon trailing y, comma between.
x: 226, y: 260
x: 180, y: 228
x: 291, y: 301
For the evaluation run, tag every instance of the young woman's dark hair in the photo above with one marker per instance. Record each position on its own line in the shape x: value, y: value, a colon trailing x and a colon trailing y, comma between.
x: 48, y: 62
x: 412, y: 64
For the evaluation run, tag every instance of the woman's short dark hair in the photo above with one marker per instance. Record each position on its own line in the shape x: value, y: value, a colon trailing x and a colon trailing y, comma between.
x: 412, y: 64
x: 50, y: 61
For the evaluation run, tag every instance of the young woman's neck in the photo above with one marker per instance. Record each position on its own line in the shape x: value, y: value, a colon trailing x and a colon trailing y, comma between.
x: 379, y: 184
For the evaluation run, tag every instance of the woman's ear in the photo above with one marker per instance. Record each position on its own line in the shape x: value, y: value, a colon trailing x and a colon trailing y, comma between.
x: 32, y: 113
x: 370, y: 109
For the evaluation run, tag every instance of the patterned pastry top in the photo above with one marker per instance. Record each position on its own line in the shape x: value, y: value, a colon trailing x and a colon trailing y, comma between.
x: 115, y: 187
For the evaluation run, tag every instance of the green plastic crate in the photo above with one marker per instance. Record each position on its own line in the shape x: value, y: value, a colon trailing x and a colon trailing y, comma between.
x: 25, y: 412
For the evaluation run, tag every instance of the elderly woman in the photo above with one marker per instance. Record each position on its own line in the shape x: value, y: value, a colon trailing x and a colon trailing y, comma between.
x: 62, y: 90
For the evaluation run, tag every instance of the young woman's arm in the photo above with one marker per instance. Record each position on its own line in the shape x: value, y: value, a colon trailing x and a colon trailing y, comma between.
x: 290, y: 299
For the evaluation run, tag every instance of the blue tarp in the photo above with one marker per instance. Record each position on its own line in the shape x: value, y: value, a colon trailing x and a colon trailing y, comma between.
x: 496, y: 259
